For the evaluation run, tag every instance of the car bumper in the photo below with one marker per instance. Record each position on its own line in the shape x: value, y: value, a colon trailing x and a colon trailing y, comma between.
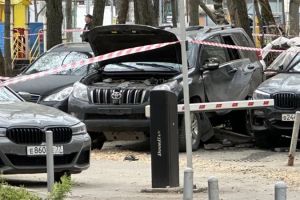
x: 100, y: 118
x: 270, y: 119
x: 14, y: 158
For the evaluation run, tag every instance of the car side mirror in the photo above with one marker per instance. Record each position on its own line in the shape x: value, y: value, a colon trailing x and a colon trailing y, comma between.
x: 25, y: 95
x: 212, y: 64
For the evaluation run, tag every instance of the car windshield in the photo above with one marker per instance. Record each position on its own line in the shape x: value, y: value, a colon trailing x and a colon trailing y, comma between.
x: 142, y: 66
x: 296, y: 64
x: 52, y: 60
x: 7, y: 96
x: 283, y: 61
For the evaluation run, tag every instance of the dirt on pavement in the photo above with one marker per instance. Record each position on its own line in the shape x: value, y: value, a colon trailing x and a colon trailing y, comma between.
x: 243, y: 173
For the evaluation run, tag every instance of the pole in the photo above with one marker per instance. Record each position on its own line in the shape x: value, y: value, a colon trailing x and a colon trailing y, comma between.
x: 188, y: 173
x: 45, y: 33
x: 87, y: 6
x: 283, y: 16
x: 50, y: 160
x: 280, y: 190
x: 112, y: 11
x: 160, y: 13
x: 294, y: 139
x: 213, y: 189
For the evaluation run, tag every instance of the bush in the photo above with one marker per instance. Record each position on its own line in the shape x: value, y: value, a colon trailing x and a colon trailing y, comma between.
x: 61, y: 190
x: 8, y: 192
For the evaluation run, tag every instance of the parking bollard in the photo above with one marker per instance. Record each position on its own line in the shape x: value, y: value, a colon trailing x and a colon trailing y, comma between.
x: 280, y: 190
x: 213, y: 188
x: 50, y: 160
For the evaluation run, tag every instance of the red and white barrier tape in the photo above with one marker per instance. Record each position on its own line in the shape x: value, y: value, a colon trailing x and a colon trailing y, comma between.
x: 218, y: 106
x: 233, y: 46
x: 86, y: 62
x: 122, y: 53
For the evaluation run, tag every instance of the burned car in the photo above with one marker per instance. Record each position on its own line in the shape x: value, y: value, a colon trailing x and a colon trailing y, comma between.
x: 112, y: 101
x: 271, y: 124
x: 22, y: 138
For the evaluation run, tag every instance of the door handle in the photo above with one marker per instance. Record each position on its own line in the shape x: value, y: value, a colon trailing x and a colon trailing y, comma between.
x: 233, y: 70
x: 250, y: 67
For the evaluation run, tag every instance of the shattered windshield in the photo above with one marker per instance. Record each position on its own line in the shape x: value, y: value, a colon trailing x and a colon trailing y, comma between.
x: 296, y: 64
x: 52, y: 60
x: 283, y: 61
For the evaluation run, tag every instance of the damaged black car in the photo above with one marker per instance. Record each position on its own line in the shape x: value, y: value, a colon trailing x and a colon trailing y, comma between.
x: 272, y: 125
x: 112, y: 101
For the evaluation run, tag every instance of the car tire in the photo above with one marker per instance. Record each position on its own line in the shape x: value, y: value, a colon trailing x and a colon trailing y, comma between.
x: 267, y: 140
x: 59, y: 175
x: 195, y: 129
x: 98, y: 140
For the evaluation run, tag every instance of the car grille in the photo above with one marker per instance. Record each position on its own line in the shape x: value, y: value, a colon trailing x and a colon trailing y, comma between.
x: 286, y: 100
x: 37, y: 136
x: 122, y: 96
x: 19, y: 160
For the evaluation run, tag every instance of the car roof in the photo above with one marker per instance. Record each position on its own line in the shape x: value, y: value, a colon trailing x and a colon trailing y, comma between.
x: 204, y: 32
x: 72, y: 46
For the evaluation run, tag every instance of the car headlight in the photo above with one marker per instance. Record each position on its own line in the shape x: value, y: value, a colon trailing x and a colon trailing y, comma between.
x: 79, y: 129
x: 80, y: 91
x: 167, y: 86
x: 60, y: 96
x: 2, y: 132
x: 258, y: 94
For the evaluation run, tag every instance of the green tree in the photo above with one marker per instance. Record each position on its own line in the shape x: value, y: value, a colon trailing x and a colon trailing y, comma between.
x: 239, y: 15
x: 294, y: 17
x: 54, y: 16
x: 69, y: 20
x: 7, y: 39
x: 98, y: 12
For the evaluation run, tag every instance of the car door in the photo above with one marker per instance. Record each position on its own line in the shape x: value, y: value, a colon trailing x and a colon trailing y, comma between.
x: 230, y: 80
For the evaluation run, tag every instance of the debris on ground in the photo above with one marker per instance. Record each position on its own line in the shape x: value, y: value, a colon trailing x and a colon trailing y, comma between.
x: 130, y: 158
x: 213, y: 146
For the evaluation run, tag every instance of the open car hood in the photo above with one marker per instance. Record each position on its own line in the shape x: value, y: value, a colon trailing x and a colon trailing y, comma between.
x: 106, y: 39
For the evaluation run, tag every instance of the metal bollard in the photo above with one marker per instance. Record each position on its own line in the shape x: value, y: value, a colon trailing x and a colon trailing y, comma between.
x: 294, y: 140
x: 213, y: 188
x: 280, y: 190
x: 50, y: 160
x: 188, y: 184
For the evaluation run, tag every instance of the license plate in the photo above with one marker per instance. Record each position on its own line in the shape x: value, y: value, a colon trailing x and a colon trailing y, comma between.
x: 42, y: 150
x: 288, y: 117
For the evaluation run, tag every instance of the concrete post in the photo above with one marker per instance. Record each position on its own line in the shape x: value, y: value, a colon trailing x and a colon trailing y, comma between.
x: 213, y: 189
x: 50, y: 160
x: 280, y: 190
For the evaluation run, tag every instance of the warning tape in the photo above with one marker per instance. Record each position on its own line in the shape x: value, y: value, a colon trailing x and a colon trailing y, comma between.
x: 119, y: 53
x: 80, y: 63
x: 218, y: 106
x: 228, y: 46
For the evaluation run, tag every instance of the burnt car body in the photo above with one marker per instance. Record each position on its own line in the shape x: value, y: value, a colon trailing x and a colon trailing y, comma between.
x: 22, y: 138
x: 269, y: 125
x: 112, y: 101
x: 54, y: 90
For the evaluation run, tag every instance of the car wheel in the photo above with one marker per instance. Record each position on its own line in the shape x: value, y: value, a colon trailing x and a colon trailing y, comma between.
x: 59, y: 175
x: 195, y: 130
x: 98, y: 140
x: 267, y: 140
